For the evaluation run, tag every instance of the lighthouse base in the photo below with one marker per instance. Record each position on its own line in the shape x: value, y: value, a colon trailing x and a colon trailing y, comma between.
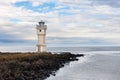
x: 41, y: 48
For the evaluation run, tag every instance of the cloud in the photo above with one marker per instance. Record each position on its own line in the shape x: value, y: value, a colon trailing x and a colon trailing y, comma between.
x: 90, y: 21
x: 79, y: 41
x: 112, y: 3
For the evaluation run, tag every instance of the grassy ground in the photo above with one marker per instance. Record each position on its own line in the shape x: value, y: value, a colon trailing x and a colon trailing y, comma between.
x: 31, y: 66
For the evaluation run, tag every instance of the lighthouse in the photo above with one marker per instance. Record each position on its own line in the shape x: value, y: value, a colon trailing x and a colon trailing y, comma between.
x: 41, y: 34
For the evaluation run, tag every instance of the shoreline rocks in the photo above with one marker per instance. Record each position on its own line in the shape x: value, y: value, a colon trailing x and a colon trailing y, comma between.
x: 33, y: 66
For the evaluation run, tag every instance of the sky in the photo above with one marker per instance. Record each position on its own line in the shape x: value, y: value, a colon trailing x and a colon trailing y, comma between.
x: 70, y: 22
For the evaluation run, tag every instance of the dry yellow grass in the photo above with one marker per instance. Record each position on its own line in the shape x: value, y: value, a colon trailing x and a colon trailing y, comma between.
x: 31, y: 66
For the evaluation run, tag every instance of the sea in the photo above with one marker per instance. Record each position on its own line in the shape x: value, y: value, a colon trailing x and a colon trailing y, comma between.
x: 99, y: 63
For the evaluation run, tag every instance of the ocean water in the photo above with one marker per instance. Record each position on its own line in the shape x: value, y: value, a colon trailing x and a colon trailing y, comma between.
x: 99, y: 63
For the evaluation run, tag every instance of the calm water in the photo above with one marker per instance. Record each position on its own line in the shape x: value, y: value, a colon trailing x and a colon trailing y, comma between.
x: 101, y: 63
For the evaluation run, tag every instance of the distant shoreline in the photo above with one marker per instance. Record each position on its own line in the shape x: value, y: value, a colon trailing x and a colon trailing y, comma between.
x: 32, y: 66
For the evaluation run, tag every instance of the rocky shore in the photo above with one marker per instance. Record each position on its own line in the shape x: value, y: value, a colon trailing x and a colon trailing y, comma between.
x: 32, y: 66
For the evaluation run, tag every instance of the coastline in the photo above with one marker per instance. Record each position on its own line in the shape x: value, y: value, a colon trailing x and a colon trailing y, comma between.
x: 33, y: 66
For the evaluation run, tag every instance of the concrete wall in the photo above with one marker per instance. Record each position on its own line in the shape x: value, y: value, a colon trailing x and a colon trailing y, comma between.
x: 41, y: 33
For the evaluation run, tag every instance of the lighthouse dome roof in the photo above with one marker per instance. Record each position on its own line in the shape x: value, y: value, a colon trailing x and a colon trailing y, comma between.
x: 41, y: 22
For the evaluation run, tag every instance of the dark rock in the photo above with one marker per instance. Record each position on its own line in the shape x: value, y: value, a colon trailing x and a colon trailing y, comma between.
x: 33, y: 66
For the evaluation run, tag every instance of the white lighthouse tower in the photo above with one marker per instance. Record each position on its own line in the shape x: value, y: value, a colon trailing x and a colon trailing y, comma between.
x: 41, y: 33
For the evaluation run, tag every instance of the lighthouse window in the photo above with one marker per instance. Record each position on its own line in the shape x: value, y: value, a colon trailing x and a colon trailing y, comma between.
x: 40, y: 30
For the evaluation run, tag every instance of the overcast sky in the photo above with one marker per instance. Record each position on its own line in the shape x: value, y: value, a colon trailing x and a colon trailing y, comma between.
x: 70, y: 22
